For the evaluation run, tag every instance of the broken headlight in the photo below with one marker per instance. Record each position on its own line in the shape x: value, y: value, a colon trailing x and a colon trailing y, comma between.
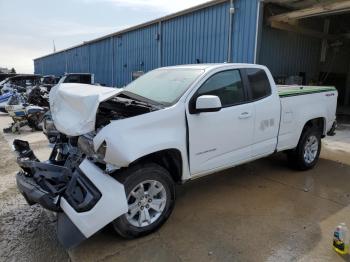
x: 101, y: 151
x: 49, y: 129
x: 86, y: 145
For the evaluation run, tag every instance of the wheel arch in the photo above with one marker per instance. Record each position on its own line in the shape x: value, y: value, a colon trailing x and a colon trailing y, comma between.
x: 170, y: 159
x: 296, y: 156
x: 318, y: 123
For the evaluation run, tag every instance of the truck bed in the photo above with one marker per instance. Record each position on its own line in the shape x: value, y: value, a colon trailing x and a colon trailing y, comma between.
x: 295, y: 90
x: 300, y: 104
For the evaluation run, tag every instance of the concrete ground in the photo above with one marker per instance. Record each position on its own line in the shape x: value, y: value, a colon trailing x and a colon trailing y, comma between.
x: 262, y: 211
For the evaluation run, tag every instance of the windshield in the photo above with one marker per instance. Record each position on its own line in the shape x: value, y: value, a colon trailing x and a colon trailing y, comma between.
x: 164, y: 86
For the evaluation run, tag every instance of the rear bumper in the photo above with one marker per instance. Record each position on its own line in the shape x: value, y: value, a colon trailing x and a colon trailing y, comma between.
x: 86, y: 198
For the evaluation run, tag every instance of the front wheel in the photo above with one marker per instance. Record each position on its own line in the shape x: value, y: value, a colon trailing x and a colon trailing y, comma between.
x: 306, y: 154
x: 150, y: 192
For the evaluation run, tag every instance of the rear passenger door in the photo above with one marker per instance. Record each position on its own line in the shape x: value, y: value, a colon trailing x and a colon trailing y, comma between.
x: 223, y: 138
x: 267, y: 111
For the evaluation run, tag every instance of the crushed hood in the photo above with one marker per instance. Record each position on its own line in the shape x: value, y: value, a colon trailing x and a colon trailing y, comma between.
x: 74, y: 106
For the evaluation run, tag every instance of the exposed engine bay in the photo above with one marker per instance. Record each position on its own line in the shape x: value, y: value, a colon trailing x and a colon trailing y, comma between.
x: 120, y: 107
x: 94, y: 107
x: 116, y: 108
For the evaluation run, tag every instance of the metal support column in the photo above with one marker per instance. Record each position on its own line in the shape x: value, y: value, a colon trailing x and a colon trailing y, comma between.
x: 160, y: 44
x: 230, y: 31
x: 66, y: 61
x: 112, y: 62
x: 258, y: 30
x: 347, y: 90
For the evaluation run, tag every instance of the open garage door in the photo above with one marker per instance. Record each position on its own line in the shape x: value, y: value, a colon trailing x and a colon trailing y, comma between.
x: 308, y: 42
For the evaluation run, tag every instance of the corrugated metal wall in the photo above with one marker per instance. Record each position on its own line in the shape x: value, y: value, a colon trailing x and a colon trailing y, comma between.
x: 54, y: 64
x: 201, y: 36
x: 244, y: 31
x: 100, y: 61
x: 78, y: 59
x: 287, y: 53
x: 135, y: 51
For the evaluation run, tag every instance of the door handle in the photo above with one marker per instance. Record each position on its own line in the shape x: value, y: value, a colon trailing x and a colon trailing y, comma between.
x: 244, y: 115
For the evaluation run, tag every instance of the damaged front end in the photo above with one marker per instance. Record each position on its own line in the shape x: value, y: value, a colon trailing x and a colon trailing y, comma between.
x: 85, y: 198
x: 76, y: 181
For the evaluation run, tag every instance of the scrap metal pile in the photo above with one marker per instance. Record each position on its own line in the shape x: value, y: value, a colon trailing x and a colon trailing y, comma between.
x: 25, y: 99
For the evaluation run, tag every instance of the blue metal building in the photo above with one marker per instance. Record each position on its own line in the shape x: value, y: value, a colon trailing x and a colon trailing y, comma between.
x: 295, y: 39
x: 217, y: 31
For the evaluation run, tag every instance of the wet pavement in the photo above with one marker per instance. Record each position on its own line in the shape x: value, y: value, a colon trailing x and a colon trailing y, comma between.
x: 262, y: 211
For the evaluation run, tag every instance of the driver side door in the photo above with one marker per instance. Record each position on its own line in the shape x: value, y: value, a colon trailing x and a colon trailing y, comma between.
x: 221, y: 139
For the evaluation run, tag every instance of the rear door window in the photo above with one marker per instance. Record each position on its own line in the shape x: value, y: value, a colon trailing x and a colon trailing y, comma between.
x: 258, y: 82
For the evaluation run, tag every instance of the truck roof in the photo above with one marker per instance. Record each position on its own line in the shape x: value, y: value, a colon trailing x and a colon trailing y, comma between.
x: 210, y: 66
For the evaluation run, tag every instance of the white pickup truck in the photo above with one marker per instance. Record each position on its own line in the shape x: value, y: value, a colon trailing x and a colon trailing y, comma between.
x: 120, y: 152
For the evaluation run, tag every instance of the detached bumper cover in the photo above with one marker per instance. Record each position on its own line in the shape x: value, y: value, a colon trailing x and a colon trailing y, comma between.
x: 86, y: 199
x: 33, y: 193
x: 113, y: 202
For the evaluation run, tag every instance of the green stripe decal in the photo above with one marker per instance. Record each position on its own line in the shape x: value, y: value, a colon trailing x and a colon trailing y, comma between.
x: 301, y: 90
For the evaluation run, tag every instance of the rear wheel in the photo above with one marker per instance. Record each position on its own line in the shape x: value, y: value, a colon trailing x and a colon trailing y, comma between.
x: 150, y: 194
x: 306, y: 154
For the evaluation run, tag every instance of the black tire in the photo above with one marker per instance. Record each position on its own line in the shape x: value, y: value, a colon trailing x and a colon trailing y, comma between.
x: 296, y: 157
x: 132, y: 177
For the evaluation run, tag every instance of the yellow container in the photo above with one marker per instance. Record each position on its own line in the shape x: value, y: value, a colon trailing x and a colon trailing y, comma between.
x: 341, y: 239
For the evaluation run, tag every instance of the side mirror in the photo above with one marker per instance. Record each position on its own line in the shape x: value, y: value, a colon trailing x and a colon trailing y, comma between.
x: 208, y: 103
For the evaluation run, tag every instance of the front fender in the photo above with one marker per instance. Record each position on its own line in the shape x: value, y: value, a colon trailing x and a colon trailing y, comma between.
x: 129, y: 139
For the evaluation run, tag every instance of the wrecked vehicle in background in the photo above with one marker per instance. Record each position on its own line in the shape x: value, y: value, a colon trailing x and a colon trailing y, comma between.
x: 4, y: 100
x: 4, y: 76
x: 119, y: 153
x: 26, y: 105
x: 29, y: 105
x: 24, y: 115
x: 26, y: 111
x: 49, y: 81
x: 22, y: 84
x: 82, y: 78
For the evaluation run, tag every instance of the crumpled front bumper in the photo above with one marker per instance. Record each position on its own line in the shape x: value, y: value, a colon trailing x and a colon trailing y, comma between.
x: 86, y: 198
